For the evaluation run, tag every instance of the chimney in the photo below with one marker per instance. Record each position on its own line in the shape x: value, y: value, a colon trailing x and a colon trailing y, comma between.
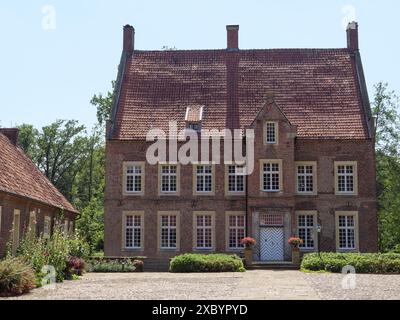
x: 129, y: 39
x: 11, y: 134
x: 233, y: 37
x: 352, y: 36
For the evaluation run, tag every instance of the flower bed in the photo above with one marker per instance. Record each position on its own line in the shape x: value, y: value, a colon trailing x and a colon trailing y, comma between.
x: 362, y: 262
x: 191, y: 262
x: 105, y: 264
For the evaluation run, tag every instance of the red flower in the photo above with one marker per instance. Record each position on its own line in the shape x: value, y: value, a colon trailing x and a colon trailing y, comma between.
x: 248, y: 241
x: 295, y: 241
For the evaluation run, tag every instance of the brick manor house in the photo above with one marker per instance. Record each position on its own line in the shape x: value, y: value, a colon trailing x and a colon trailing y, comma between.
x: 314, y: 171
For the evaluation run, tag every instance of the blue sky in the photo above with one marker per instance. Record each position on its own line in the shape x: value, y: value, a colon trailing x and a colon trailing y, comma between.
x: 50, y: 70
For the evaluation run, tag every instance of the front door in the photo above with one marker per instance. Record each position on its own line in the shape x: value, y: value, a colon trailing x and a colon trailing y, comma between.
x: 271, y: 245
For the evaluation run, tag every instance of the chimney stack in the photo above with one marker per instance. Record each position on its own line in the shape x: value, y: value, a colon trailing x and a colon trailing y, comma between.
x: 233, y: 37
x: 352, y: 36
x: 11, y: 134
x: 129, y: 39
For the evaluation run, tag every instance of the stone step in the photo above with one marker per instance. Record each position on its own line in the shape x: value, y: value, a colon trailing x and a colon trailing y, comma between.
x: 272, y: 266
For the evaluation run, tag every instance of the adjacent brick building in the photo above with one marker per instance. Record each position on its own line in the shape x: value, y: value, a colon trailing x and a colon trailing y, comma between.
x: 29, y: 202
x: 314, y: 170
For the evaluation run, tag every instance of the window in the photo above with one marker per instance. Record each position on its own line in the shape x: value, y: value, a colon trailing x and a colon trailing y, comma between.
x: 271, y: 132
x: 169, y: 178
x: 133, y: 178
x: 15, y: 233
x: 46, y: 227
x: 236, y: 229
x: 306, y: 173
x: 346, y: 230
x: 66, y: 225
x: 306, y: 229
x: 168, y: 230
x: 196, y: 126
x: 346, y: 177
x: 0, y: 219
x: 133, y: 231
x: 203, y: 180
x: 32, y: 222
x: 234, y: 179
x: 204, y: 230
x: 71, y: 227
x: 271, y: 175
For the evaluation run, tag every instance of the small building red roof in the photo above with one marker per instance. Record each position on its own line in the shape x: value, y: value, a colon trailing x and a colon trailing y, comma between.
x: 20, y: 176
x: 317, y: 89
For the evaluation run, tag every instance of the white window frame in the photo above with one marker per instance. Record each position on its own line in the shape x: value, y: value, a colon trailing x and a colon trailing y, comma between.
x: 203, y: 175
x: 355, y: 228
x: 47, y: 226
x: 211, y: 214
x: 169, y: 175
x: 1, y: 213
x: 235, y: 229
x: 228, y: 175
x: 169, y: 228
x: 125, y: 166
x: 267, y: 131
x: 71, y: 227
x: 354, y: 175
x: 16, y: 230
x: 133, y: 214
x: 263, y: 162
x: 32, y: 222
x: 313, y: 229
x: 304, y: 164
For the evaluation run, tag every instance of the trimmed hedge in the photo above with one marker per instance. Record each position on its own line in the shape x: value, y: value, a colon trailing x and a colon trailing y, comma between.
x: 191, y: 262
x: 362, y: 262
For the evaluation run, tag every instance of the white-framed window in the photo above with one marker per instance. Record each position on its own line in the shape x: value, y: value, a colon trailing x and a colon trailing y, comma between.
x: 32, y: 222
x: 71, y: 227
x: 347, y: 231
x: 346, y: 177
x: 235, y: 179
x: 133, y: 231
x: 306, y: 229
x: 66, y: 226
x: 169, y: 178
x: 195, y: 126
x: 204, y: 178
x: 133, y: 178
x: 168, y: 231
x: 16, y: 227
x: 46, y: 226
x: 1, y: 212
x: 204, y: 230
x: 306, y: 173
x: 236, y: 230
x: 271, y: 132
x: 271, y: 173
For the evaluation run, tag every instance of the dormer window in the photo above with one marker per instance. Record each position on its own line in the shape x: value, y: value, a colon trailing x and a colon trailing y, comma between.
x: 193, y: 118
x: 271, y: 132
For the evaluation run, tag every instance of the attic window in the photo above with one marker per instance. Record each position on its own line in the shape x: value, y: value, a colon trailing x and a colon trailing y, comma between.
x: 193, y: 117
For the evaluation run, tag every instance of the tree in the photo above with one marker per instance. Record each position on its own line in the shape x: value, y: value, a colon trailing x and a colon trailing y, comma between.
x: 386, y: 112
x: 103, y: 103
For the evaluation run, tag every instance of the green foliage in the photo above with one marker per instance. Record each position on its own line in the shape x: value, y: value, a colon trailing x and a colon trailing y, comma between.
x: 103, y: 104
x: 362, y: 262
x: 386, y: 112
x: 16, y: 277
x: 54, y: 251
x: 115, y: 265
x: 206, y: 263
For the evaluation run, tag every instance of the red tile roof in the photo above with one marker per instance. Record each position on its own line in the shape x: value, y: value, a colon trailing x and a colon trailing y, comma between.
x: 19, y: 176
x: 317, y: 89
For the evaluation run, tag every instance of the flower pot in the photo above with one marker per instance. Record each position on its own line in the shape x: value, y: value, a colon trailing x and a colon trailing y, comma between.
x: 248, y: 256
x: 296, y: 256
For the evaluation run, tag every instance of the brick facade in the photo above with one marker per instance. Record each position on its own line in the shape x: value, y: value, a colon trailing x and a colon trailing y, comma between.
x: 317, y: 99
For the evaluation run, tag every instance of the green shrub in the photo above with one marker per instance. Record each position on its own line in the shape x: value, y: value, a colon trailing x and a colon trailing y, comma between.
x: 191, y: 262
x: 115, y: 265
x: 362, y: 262
x: 16, y: 277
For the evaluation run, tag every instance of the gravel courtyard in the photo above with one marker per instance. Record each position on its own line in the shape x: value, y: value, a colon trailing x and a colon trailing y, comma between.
x: 257, y: 284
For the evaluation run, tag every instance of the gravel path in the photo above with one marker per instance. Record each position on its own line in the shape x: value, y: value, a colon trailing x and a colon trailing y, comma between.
x: 257, y: 284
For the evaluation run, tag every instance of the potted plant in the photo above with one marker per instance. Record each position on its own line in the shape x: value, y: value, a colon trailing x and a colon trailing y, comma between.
x: 295, y: 242
x: 248, y: 243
